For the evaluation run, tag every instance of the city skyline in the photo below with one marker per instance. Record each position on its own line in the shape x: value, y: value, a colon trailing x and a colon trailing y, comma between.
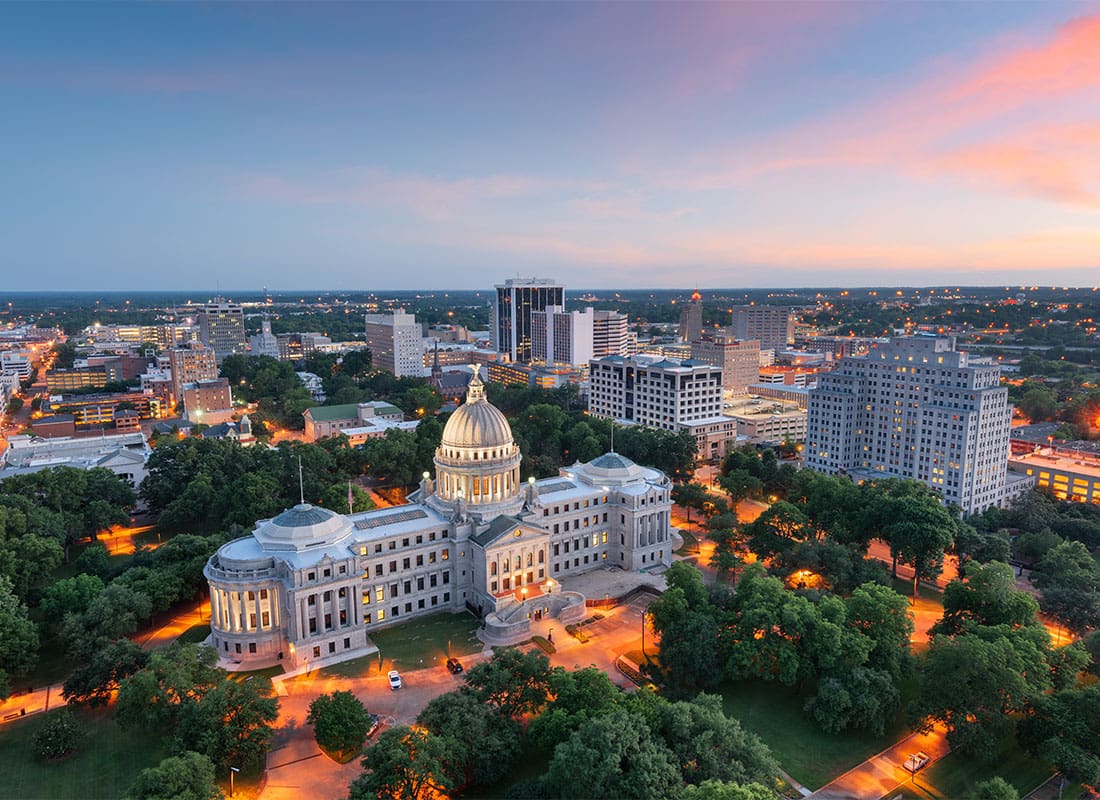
x: 177, y: 147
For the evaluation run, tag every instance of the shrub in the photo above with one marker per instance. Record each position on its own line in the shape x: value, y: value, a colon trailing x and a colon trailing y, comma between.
x: 58, y: 737
x: 546, y: 645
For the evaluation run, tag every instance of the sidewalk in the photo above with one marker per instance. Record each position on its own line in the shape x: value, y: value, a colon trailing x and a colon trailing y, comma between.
x: 21, y: 706
x: 881, y: 774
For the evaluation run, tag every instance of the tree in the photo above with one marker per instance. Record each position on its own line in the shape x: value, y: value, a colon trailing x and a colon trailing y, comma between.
x: 779, y: 528
x: 1069, y: 586
x: 994, y: 789
x: 708, y: 745
x: 481, y: 745
x: 404, y: 764
x: 59, y: 737
x: 613, y: 756
x: 1064, y: 729
x: 188, y: 776
x: 689, y: 655
x: 716, y: 790
x: 340, y: 722
x: 18, y: 637
x: 70, y: 596
x: 690, y: 496
x: 513, y: 682
x: 95, y: 681
x: 855, y: 698
x: 882, y: 615
x: 987, y: 596
x: 919, y: 531
x: 113, y: 613
x: 974, y: 682
x: 232, y: 723
x: 974, y: 545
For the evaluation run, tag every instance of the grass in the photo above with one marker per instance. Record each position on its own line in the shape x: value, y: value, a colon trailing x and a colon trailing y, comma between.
x: 266, y: 672
x: 106, y: 763
x: 955, y: 775
x: 813, y: 757
x: 196, y: 634
x: 690, y: 546
x: 423, y: 643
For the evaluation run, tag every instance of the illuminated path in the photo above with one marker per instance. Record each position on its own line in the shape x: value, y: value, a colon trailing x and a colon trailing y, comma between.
x: 879, y: 775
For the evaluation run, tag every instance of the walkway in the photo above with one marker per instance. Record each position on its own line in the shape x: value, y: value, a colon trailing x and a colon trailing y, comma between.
x: 163, y: 636
x: 880, y: 775
x: 25, y: 704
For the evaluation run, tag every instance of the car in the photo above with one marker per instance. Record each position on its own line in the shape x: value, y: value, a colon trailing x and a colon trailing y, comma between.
x: 375, y: 723
x: 916, y: 761
x: 454, y: 666
x: 395, y: 679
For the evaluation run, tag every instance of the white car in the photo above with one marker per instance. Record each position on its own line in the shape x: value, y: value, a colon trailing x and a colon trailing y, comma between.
x: 395, y: 679
x: 916, y: 761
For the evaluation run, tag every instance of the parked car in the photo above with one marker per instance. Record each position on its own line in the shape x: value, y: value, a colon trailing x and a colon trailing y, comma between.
x: 395, y: 679
x: 454, y: 665
x: 375, y: 723
x: 916, y: 761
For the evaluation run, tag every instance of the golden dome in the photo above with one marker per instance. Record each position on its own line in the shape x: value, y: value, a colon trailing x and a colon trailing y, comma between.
x: 477, y: 423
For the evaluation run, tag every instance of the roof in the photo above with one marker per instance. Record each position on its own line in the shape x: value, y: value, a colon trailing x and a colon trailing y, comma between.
x: 330, y: 413
x: 502, y: 526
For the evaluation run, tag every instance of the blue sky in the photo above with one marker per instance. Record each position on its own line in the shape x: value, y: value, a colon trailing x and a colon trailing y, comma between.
x: 356, y: 146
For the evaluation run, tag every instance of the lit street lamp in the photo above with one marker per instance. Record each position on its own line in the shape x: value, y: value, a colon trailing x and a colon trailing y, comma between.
x: 232, y: 771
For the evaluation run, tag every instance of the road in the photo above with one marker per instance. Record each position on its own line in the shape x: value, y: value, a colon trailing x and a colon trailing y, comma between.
x: 880, y: 775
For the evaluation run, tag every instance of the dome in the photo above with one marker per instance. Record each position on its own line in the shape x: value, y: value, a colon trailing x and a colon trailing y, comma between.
x: 477, y: 422
x: 300, y: 527
x: 611, y: 469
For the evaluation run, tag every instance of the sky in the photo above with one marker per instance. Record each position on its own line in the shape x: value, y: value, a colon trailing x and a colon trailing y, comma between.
x: 353, y: 146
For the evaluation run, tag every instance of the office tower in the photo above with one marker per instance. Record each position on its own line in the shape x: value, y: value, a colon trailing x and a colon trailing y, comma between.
x: 221, y: 327
x: 610, y: 336
x: 915, y: 408
x: 395, y: 343
x: 264, y: 343
x: 561, y: 337
x: 691, y: 318
x: 208, y: 401
x: 772, y: 326
x: 510, y: 315
x: 739, y: 359
x: 654, y: 391
x: 190, y: 365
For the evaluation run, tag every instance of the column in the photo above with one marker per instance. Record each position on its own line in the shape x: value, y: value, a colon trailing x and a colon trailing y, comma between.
x: 259, y: 613
x: 214, y: 613
x: 303, y: 631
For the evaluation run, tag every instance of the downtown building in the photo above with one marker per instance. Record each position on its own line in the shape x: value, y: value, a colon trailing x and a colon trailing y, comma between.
x: 191, y: 365
x: 221, y: 327
x: 310, y: 585
x: 611, y: 335
x: 396, y: 344
x: 510, y: 316
x: 772, y: 326
x: 738, y: 358
x: 562, y: 337
x: 915, y: 408
x: 691, y: 319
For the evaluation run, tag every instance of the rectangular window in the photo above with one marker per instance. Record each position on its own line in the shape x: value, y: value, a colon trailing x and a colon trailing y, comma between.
x: 265, y: 619
x: 445, y: 555
x: 252, y: 647
x: 381, y: 614
x: 393, y: 567
x: 408, y: 608
x: 332, y: 647
x: 431, y: 557
x: 393, y: 590
x: 347, y: 643
x: 446, y: 597
x: 432, y: 579
x: 317, y: 651
x: 420, y: 560
x: 447, y: 576
x: 377, y: 570
x: 380, y: 594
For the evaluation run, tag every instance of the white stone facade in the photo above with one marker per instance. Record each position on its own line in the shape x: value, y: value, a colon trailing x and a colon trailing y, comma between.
x: 310, y: 585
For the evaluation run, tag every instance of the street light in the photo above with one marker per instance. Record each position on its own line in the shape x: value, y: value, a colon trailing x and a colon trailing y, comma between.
x: 232, y: 771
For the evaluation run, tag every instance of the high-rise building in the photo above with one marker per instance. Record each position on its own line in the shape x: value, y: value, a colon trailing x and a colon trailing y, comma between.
x: 221, y: 327
x: 510, y: 315
x: 264, y: 343
x: 190, y: 365
x: 772, y: 326
x: 915, y: 408
x: 561, y: 337
x: 396, y: 343
x: 208, y: 401
x: 610, y: 335
x: 654, y: 391
x: 691, y: 318
x: 739, y: 359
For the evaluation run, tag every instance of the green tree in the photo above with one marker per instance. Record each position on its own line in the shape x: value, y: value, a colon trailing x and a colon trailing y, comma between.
x: 95, y: 681
x: 919, y: 531
x: 188, y: 776
x: 882, y: 615
x: 18, y: 638
x: 70, y: 596
x: 340, y: 722
x: 689, y: 655
x: 113, y: 613
x: 1063, y: 728
x: 613, y: 756
x: 855, y: 698
x: 1069, y: 586
x: 716, y: 790
x: 481, y: 745
x: 987, y: 596
x: 690, y: 496
x: 404, y: 764
x: 232, y: 723
x: 994, y: 789
x: 513, y: 682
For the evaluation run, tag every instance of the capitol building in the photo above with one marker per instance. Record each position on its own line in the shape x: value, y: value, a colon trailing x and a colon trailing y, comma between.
x: 310, y: 585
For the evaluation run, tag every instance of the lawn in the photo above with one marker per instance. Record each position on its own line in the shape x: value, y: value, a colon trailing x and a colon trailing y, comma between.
x: 810, y: 755
x: 196, y: 634
x: 107, y: 762
x: 423, y: 643
x: 690, y: 546
x: 955, y: 775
